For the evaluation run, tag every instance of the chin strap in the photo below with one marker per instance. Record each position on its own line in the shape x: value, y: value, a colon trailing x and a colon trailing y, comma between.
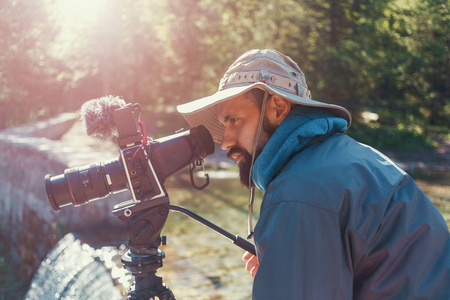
x: 251, y: 196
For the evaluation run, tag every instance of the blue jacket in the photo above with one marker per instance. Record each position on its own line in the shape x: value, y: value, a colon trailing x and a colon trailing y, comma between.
x: 341, y: 221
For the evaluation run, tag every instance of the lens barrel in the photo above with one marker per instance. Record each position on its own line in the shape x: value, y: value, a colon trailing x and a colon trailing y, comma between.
x: 81, y: 185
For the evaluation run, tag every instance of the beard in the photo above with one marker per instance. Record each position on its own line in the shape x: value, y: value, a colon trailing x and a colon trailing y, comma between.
x: 245, y: 163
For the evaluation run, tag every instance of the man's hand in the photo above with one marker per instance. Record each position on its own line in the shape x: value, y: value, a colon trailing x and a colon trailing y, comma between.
x: 252, y: 263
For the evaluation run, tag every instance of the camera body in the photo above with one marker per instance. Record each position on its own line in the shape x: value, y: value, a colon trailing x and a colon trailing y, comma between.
x: 142, y: 179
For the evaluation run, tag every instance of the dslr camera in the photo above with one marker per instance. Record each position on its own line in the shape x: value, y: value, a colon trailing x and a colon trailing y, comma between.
x: 142, y: 166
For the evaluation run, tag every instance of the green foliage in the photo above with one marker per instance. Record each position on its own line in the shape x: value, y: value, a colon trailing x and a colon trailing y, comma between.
x: 400, y: 127
x: 388, y: 137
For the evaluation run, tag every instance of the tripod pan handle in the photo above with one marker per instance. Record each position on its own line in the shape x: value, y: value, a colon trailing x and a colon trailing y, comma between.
x: 244, y: 244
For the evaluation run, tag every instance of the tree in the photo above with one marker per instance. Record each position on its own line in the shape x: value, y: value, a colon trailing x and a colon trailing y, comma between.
x: 27, y: 71
x: 421, y: 29
x: 162, y: 53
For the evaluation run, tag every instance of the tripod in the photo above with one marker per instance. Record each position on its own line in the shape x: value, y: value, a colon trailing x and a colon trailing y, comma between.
x: 145, y: 222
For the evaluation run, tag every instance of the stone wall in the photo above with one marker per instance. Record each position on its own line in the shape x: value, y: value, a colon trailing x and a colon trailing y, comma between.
x: 28, y: 224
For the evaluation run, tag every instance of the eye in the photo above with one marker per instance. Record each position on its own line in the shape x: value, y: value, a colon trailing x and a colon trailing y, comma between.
x: 232, y: 120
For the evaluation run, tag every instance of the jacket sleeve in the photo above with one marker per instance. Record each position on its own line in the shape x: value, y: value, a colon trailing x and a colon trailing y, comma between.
x: 307, y: 257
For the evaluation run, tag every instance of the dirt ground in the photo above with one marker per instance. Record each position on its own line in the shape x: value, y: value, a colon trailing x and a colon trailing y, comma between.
x: 430, y: 160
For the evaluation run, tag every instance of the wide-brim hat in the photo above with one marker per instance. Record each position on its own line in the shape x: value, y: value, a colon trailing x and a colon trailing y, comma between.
x: 268, y: 70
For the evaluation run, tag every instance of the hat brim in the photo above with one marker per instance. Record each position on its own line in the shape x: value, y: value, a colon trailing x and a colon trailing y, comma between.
x: 205, y: 111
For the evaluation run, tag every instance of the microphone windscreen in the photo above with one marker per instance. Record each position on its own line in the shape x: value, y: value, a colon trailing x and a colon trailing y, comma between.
x: 97, y: 116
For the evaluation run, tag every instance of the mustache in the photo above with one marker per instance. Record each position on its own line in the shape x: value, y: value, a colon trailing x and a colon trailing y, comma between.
x: 237, y: 149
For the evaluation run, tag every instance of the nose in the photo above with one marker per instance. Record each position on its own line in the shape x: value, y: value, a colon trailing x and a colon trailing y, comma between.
x: 228, y: 140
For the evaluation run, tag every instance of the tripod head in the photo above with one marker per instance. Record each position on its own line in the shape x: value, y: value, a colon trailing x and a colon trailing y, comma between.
x: 144, y: 223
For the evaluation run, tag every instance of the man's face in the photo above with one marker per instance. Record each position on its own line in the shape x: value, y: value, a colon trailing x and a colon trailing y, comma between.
x: 240, y: 117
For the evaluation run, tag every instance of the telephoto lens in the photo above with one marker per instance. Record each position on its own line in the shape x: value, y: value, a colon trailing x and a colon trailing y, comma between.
x: 81, y: 185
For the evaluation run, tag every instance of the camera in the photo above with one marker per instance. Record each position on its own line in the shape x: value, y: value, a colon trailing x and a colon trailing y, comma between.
x: 142, y: 166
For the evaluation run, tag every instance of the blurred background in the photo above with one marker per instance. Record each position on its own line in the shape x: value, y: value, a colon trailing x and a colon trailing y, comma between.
x: 387, y: 61
x: 386, y: 54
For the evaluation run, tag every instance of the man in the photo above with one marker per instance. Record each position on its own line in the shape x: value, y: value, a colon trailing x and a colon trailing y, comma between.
x: 338, y: 220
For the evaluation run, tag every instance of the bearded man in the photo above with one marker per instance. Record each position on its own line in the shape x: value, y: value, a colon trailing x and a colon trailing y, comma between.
x: 338, y: 220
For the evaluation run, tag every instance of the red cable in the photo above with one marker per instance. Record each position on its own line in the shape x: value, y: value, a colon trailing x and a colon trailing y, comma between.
x: 144, y: 134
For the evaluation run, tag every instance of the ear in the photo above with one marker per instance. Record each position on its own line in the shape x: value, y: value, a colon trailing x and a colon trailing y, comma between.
x: 277, y: 109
